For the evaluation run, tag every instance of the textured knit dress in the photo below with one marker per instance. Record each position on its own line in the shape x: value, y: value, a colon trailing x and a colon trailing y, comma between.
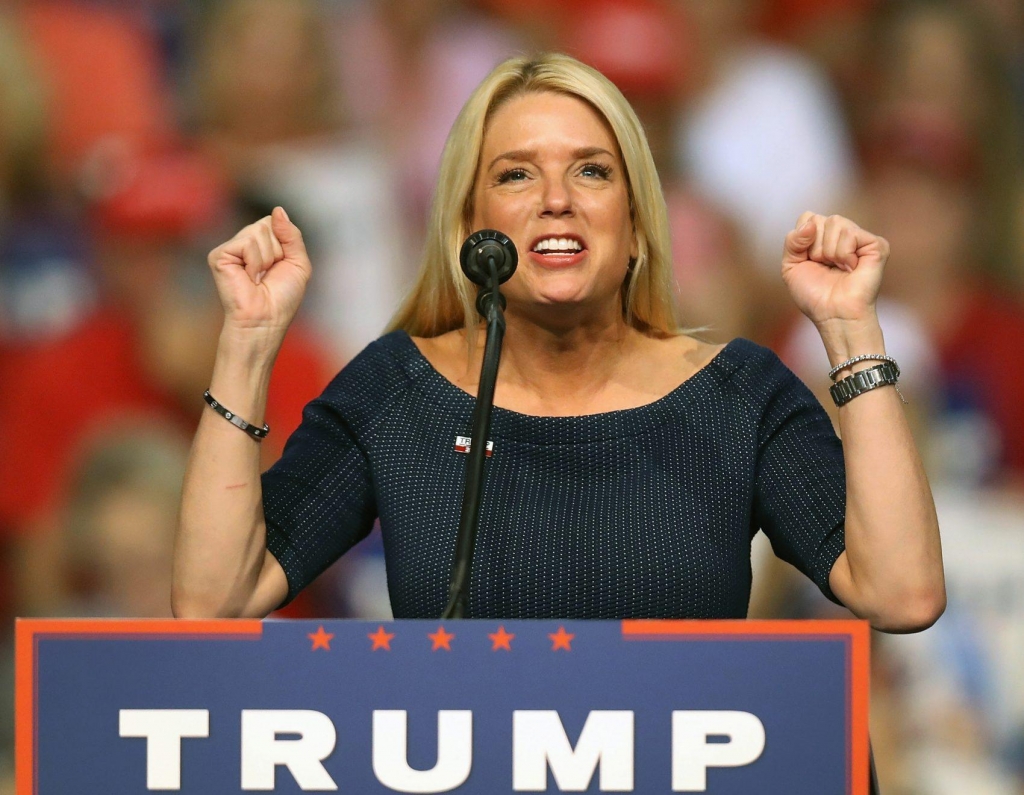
x: 643, y: 512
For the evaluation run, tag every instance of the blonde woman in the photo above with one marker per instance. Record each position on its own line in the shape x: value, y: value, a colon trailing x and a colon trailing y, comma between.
x: 632, y: 462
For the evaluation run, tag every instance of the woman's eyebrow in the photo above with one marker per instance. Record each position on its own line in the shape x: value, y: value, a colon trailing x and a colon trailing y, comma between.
x: 515, y: 154
x: 530, y: 154
x: 590, y: 151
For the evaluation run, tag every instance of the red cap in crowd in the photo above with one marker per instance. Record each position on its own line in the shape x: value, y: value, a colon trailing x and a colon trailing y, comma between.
x: 164, y: 194
x: 640, y: 45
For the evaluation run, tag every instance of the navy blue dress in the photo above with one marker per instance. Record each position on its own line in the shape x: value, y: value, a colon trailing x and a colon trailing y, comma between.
x: 640, y: 513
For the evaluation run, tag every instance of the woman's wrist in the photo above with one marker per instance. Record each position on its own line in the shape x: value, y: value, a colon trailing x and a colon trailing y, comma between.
x: 241, y: 371
x: 255, y: 348
x: 847, y: 339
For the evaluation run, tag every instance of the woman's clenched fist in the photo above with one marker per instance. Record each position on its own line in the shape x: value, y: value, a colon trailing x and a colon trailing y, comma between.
x: 261, y: 273
x: 833, y: 268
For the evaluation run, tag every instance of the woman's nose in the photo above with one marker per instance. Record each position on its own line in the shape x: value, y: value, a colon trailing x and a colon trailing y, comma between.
x: 557, y: 200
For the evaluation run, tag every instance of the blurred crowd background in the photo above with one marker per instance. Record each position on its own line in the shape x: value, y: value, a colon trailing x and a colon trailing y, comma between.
x: 135, y: 136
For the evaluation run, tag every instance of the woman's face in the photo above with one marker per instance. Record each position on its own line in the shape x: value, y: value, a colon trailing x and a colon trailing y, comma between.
x: 551, y: 178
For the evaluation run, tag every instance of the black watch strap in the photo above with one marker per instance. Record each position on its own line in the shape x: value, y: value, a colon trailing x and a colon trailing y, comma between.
x: 255, y: 431
x: 862, y: 381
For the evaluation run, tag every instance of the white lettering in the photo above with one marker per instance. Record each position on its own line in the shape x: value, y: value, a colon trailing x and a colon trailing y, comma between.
x: 539, y: 741
x: 262, y: 752
x: 163, y: 730
x: 692, y: 754
x: 454, y: 751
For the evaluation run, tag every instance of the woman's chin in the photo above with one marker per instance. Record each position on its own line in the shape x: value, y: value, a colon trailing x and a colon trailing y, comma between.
x: 554, y: 309
x: 562, y: 296
x: 566, y: 298
x: 558, y: 289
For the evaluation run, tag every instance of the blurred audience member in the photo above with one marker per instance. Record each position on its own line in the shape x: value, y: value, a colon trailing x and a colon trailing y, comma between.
x: 645, y: 47
x: 269, y: 108
x: 761, y: 133
x: 978, y: 331
x: 149, y: 347
x: 1007, y: 27
x: 80, y: 86
x: 835, y: 34
x: 943, y: 149
x: 407, y: 67
x: 941, y: 96
x: 44, y: 286
x: 120, y: 519
x: 716, y: 277
x: 263, y: 77
x: 104, y: 78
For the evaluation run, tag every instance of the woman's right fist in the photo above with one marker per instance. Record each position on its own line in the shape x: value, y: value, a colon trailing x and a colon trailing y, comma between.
x: 261, y: 273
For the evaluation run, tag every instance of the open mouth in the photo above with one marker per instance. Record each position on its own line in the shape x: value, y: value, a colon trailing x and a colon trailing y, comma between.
x: 555, y: 250
x: 557, y: 245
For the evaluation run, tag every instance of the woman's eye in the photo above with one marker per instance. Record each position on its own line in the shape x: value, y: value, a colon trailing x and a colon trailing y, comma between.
x: 595, y: 170
x: 512, y: 175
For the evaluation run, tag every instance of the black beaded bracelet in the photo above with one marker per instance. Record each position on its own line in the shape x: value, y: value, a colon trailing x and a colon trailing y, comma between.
x: 256, y: 433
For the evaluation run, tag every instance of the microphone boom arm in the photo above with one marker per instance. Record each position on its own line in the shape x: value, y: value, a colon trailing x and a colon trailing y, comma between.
x: 490, y: 302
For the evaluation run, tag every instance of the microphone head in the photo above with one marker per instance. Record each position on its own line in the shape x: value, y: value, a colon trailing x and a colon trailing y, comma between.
x: 479, y: 248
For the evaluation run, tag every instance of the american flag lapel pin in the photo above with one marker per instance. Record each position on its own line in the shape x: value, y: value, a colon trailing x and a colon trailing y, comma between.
x: 463, y: 444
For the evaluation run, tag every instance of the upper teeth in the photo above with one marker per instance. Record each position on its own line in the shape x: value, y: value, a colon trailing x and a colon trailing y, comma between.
x: 558, y: 244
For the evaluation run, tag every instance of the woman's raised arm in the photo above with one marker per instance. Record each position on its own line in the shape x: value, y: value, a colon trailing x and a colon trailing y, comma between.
x: 891, y: 572
x: 221, y: 564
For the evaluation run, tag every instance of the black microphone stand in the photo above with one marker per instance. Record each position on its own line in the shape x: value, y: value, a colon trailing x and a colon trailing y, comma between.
x: 491, y: 304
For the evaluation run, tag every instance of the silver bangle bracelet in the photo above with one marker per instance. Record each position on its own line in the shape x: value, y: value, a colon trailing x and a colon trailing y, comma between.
x: 866, y: 357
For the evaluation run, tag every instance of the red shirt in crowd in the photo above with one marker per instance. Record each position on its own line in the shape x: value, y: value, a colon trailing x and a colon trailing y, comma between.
x: 55, y: 398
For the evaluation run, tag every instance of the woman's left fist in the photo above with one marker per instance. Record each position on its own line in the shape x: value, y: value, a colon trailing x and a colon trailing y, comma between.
x: 833, y: 268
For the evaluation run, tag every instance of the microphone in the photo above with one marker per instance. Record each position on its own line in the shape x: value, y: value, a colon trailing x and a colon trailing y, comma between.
x: 483, y: 250
x: 482, y: 247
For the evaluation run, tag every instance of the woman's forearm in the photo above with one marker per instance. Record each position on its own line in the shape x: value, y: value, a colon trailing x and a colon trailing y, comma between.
x: 220, y: 548
x: 221, y: 564
x: 892, y: 571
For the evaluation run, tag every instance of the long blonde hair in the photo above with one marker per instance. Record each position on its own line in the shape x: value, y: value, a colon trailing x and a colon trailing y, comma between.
x: 443, y: 299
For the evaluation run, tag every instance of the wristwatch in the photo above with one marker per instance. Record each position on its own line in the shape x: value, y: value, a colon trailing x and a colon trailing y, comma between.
x: 862, y: 381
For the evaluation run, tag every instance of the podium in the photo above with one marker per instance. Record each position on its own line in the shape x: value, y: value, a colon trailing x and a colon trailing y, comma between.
x: 471, y: 706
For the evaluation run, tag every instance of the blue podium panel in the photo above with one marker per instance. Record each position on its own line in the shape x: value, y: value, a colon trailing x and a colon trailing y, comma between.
x: 208, y: 708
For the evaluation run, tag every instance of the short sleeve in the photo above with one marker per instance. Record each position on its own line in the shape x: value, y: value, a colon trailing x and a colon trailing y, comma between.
x: 800, y: 479
x: 318, y: 499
